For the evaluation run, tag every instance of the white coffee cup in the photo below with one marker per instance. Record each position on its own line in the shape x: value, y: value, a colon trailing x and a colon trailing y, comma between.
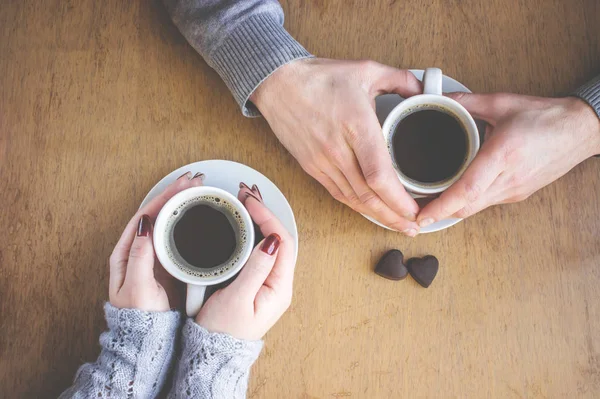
x: 198, y: 279
x: 433, y: 99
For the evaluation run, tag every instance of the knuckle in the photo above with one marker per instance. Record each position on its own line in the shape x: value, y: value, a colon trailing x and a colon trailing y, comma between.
x: 353, y: 200
x: 466, y: 211
x: 371, y: 201
x: 513, y: 153
x: 472, y: 191
x: 334, y: 155
x: 367, y: 197
x: 310, y: 168
x: 367, y: 65
x: 337, y: 194
x: 444, y: 211
x: 352, y: 132
x: 138, y: 251
x: 515, y: 181
x: 500, y: 100
x: 375, y: 178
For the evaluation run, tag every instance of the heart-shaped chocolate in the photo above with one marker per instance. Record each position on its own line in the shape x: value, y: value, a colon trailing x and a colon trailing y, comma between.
x: 391, y: 266
x: 424, y: 269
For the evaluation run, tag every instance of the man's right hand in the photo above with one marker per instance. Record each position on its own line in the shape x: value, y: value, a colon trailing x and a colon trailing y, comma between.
x: 323, y: 112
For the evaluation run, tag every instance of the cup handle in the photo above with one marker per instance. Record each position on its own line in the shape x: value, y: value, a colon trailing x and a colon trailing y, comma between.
x: 432, y: 81
x: 195, y: 299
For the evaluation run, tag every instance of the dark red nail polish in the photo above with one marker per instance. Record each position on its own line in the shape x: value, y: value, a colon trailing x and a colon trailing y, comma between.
x: 255, y: 190
x: 185, y: 174
x: 244, y: 185
x: 250, y: 194
x: 144, y: 226
x: 271, y: 244
x: 199, y: 176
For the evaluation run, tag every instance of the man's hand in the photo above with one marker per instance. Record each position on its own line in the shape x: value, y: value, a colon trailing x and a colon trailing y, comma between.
x: 530, y: 142
x: 323, y: 112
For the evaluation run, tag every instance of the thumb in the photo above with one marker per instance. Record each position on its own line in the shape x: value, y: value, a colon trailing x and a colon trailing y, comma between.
x: 393, y: 80
x: 488, y: 107
x: 140, y: 266
x: 257, y: 269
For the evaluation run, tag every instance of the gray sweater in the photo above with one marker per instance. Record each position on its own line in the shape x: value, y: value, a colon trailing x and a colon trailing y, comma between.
x: 138, y: 351
x: 244, y: 41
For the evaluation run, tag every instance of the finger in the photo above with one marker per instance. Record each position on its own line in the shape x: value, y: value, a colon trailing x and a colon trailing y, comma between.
x: 378, y: 171
x: 140, y: 264
x: 488, y: 107
x: 282, y: 275
x: 348, y: 196
x: 367, y: 201
x: 331, y: 187
x: 494, y: 196
x: 471, y: 188
x: 473, y: 208
x: 387, y: 79
x: 257, y: 269
x: 118, y: 258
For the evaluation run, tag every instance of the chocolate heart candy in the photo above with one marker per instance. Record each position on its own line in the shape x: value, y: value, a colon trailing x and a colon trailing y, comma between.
x: 391, y: 266
x: 424, y: 269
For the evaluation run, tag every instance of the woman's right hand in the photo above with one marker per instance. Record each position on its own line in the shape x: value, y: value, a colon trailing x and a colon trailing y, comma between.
x: 262, y: 292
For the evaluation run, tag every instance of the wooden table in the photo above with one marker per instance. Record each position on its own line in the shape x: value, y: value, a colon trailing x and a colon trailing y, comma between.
x: 99, y: 100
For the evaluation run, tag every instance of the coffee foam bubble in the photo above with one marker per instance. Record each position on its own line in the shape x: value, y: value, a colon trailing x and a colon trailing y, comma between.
x: 234, y: 217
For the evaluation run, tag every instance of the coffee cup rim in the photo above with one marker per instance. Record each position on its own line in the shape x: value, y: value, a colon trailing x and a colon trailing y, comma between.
x: 448, y: 105
x: 159, y: 235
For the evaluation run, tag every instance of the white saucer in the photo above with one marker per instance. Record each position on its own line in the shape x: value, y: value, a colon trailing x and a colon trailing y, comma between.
x: 227, y: 175
x: 384, y: 105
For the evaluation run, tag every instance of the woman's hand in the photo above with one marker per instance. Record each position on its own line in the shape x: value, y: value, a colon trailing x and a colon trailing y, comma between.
x: 323, y: 112
x: 530, y: 142
x: 137, y: 280
x: 249, y: 306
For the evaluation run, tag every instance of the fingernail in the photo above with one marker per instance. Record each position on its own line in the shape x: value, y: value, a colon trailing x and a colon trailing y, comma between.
x: 410, y: 232
x: 255, y: 190
x: 199, y: 176
x: 244, y: 185
x: 426, y: 222
x: 411, y: 216
x: 271, y: 244
x: 188, y: 174
x: 250, y: 194
x: 144, y: 226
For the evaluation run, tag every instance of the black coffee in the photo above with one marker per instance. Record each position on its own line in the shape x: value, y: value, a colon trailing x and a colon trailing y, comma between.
x: 429, y: 146
x: 204, y: 237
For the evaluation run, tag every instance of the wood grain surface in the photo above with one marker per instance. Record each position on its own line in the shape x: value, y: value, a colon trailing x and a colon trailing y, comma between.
x: 100, y: 100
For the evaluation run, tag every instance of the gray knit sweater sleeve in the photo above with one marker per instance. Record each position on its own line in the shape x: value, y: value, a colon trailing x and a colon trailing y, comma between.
x: 244, y: 41
x: 590, y: 93
x: 213, y: 365
x: 137, y: 352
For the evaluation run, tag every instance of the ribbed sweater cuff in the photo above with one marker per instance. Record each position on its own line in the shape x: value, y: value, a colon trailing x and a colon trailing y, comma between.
x: 252, y: 52
x: 590, y: 93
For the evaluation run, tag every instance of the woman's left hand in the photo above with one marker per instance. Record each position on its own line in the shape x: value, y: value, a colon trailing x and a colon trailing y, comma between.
x: 137, y: 280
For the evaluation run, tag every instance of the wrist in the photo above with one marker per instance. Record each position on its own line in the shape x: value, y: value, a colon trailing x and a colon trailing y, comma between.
x: 586, y: 123
x: 276, y: 82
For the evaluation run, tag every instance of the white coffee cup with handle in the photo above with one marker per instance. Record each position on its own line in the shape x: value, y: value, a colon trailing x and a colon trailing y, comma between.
x: 197, y: 278
x: 432, y: 99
